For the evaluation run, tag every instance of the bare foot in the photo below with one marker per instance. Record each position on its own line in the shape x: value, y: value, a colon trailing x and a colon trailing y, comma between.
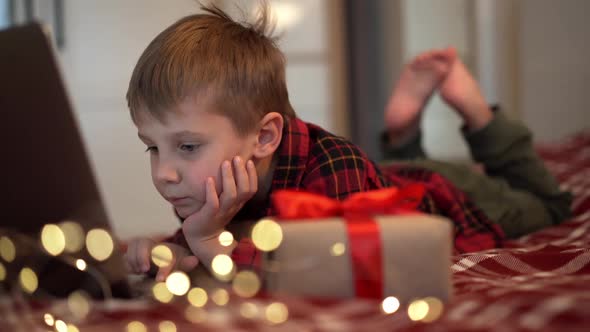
x: 460, y: 90
x: 418, y: 81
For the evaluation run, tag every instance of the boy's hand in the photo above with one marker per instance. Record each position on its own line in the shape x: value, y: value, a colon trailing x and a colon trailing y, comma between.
x: 238, y: 186
x: 138, y: 258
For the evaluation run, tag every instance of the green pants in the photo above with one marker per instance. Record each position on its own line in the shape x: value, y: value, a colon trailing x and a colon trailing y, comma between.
x: 517, y: 191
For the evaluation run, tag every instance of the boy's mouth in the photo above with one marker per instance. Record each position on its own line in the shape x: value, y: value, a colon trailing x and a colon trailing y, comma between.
x: 178, y: 200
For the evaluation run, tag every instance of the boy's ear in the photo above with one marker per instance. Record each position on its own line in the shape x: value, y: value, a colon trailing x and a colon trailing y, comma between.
x: 269, y: 135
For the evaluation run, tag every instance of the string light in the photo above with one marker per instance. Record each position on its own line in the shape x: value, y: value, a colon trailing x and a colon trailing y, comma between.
x: 222, y: 266
x: 249, y: 310
x: 79, y: 304
x: 226, y: 238
x: 197, y: 297
x: 195, y: 315
x: 267, y: 235
x: 178, y: 283
x: 390, y: 305
x: 277, y: 313
x: 246, y: 284
x: 435, y: 309
x: 161, y: 292
x: 220, y: 296
x: 74, y: 236
x: 167, y: 326
x: 417, y: 310
x: 2, y: 272
x: 49, y: 320
x: 81, y: 264
x: 337, y: 249
x: 61, y: 326
x: 7, y: 249
x: 53, y: 239
x: 28, y: 280
x: 162, y: 255
x: 99, y: 244
x: 72, y: 328
x: 136, y: 326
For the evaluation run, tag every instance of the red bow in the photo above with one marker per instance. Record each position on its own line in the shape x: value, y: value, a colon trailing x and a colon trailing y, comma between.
x: 291, y: 204
x: 363, y: 233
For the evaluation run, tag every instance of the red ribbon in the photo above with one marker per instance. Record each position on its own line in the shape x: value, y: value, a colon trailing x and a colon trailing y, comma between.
x: 363, y: 232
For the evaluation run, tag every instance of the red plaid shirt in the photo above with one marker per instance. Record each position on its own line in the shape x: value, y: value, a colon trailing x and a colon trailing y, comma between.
x: 313, y: 160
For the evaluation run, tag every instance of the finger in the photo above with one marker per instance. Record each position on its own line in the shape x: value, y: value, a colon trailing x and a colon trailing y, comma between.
x: 164, y: 272
x: 188, y: 263
x: 128, y: 265
x: 143, y: 255
x: 242, y: 181
x: 211, y: 201
x: 228, y: 194
x: 252, y: 176
x: 132, y: 256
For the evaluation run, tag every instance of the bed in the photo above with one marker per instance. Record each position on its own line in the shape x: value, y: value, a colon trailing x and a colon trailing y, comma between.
x: 540, y: 282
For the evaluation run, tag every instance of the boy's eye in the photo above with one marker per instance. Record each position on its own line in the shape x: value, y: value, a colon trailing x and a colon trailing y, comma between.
x: 188, y: 147
x: 151, y: 149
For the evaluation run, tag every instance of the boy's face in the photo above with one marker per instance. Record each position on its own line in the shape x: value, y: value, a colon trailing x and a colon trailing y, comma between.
x: 187, y: 148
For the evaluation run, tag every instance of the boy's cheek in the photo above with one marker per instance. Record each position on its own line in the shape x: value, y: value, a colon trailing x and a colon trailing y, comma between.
x: 186, y: 211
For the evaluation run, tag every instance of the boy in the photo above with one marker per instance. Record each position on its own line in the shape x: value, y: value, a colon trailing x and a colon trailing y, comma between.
x: 209, y: 99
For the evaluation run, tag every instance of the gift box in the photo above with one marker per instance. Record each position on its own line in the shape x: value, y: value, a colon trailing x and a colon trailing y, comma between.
x: 375, y: 245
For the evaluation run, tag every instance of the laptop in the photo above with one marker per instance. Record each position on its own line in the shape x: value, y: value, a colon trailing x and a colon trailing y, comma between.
x: 46, y: 174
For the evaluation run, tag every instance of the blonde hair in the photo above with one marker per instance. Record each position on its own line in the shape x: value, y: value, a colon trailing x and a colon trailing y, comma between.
x: 210, y: 54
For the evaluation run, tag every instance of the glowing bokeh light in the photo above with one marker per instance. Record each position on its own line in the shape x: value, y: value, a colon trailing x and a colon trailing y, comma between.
x: 136, y: 326
x: 61, y: 326
x: 277, y: 313
x: 197, y: 297
x: 28, y: 280
x: 73, y: 328
x: 99, y: 244
x: 79, y: 304
x: 74, y: 236
x: 220, y: 296
x: 161, y: 292
x: 246, y: 284
x: 49, y: 320
x: 222, y: 266
x: 81, y: 264
x: 249, y: 310
x: 53, y: 239
x: 167, y: 326
x: 390, y: 305
x: 195, y: 315
x: 178, y: 283
x: 226, y: 238
x: 7, y: 249
x: 162, y: 255
x: 267, y: 235
x: 435, y: 309
x: 338, y: 249
x: 2, y: 272
x: 417, y: 310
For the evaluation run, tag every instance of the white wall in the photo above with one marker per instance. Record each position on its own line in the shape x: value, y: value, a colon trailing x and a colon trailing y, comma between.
x: 555, y: 66
x: 103, y: 42
x: 104, y: 39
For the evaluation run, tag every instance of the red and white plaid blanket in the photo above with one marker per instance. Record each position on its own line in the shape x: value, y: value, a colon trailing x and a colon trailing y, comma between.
x: 540, y: 282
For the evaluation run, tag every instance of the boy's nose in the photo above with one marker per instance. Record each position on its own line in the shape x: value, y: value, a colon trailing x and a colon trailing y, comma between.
x: 167, y: 173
